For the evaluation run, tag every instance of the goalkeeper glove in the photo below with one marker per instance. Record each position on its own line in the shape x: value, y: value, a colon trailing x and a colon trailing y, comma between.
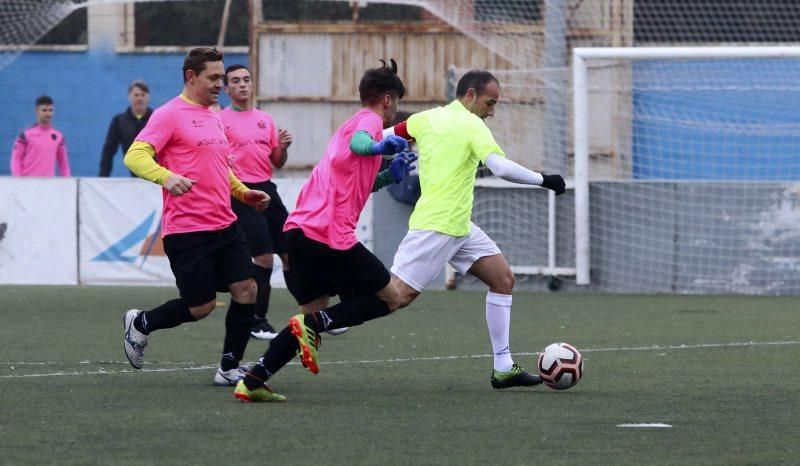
x: 401, y: 165
x: 555, y: 183
x: 390, y: 145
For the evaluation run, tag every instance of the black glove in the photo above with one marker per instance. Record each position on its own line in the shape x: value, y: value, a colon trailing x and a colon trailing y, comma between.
x: 554, y: 182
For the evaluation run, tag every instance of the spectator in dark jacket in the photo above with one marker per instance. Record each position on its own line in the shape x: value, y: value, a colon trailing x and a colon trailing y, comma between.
x: 125, y: 126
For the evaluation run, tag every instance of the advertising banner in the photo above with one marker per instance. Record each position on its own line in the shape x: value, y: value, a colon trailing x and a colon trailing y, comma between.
x: 38, y: 231
x: 120, y: 233
x: 99, y: 231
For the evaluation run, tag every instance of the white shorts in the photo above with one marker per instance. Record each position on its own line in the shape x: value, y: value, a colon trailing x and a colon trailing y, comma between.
x: 423, y: 253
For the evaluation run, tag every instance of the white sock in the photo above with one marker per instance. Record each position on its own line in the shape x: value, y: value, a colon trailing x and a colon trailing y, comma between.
x: 498, y: 320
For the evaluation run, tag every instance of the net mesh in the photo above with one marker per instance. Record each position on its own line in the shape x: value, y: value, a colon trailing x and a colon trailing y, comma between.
x: 706, y: 200
x: 23, y: 22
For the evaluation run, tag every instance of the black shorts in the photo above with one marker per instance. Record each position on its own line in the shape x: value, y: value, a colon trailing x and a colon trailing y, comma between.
x: 205, y: 262
x: 263, y: 230
x: 321, y: 271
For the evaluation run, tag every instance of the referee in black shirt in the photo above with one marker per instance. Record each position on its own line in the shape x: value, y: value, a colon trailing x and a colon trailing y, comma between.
x: 125, y: 126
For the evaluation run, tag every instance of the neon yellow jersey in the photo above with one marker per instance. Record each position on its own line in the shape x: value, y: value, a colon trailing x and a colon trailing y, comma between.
x: 451, y: 141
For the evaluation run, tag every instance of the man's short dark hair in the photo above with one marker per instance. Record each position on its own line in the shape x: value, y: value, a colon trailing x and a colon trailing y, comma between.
x: 197, y: 58
x: 44, y: 100
x: 380, y: 81
x: 141, y: 85
x: 474, y: 79
x: 401, y: 116
x: 231, y: 69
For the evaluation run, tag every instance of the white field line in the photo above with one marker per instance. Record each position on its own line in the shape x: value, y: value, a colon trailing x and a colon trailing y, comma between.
x: 656, y: 425
x: 192, y: 366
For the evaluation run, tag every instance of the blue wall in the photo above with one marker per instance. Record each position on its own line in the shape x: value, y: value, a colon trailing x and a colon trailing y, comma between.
x: 88, y: 89
x: 747, y: 131
x: 679, y: 133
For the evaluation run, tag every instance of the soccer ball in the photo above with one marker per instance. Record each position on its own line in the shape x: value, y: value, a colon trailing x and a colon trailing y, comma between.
x: 560, y: 366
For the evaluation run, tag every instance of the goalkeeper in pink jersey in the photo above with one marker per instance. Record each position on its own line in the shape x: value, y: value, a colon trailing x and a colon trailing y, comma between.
x: 325, y: 256
x: 38, y: 149
x: 257, y: 145
x: 206, y: 249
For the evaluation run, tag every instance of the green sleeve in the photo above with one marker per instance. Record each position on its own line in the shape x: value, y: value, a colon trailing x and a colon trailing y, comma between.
x: 383, y: 179
x: 361, y: 143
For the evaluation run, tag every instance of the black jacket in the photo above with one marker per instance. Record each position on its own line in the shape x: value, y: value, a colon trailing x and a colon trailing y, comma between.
x: 123, y: 130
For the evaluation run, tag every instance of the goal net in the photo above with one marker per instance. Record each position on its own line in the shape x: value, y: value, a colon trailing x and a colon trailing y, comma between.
x: 692, y: 168
x: 23, y: 22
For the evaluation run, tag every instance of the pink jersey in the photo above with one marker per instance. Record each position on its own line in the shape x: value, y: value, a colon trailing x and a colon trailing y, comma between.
x: 331, y: 201
x: 189, y: 141
x: 37, y: 150
x: 253, y: 137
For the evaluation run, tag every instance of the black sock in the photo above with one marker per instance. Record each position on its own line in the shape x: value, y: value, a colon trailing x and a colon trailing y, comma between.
x: 262, y: 276
x: 348, y: 313
x: 288, y: 277
x: 238, y: 322
x: 257, y: 375
x: 280, y: 351
x: 168, y: 315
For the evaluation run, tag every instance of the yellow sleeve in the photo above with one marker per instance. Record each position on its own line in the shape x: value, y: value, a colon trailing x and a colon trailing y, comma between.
x: 238, y: 189
x: 140, y: 159
x: 483, y: 143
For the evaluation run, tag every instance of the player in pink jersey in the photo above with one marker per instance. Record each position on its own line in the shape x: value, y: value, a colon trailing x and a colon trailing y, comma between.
x: 206, y: 249
x: 326, y: 257
x: 38, y: 149
x: 256, y: 146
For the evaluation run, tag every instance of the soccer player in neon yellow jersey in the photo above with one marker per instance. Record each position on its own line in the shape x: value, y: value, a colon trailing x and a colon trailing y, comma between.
x: 452, y: 140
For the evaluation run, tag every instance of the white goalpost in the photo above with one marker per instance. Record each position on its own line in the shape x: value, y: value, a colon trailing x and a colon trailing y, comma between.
x: 704, y: 196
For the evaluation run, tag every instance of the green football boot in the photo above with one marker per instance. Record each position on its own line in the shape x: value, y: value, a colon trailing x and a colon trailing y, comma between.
x: 309, y: 342
x: 516, y: 377
x: 260, y: 394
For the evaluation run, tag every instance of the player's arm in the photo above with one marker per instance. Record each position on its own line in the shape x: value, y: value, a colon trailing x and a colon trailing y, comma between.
x: 280, y: 153
x: 362, y: 144
x: 238, y: 189
x: 516, y: 173
x: 256, y: 199
x: 396, y: 172
x: 400, y: 129
x: 62, y: 158
x: 18, y: 154
x: 140, y: 159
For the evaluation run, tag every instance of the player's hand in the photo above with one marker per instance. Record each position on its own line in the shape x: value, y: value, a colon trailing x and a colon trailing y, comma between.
x: 231, y: 160
x: 554, y: 183
x: 390, y: 145
x: 178, y: 185
x: 284, y: 138
x: 401, y: 165
x: 258, y: 200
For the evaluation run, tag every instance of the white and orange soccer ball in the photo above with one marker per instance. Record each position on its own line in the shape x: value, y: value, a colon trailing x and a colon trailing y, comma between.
x: 560, y: 366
